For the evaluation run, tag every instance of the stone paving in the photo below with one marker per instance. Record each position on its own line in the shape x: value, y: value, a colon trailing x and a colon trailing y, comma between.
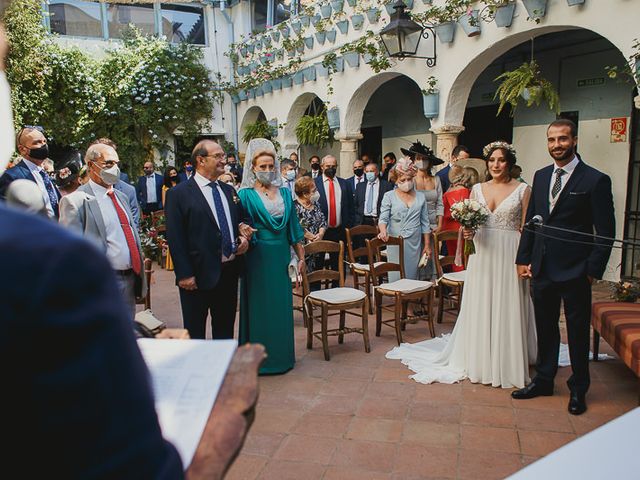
x: 360, y: 416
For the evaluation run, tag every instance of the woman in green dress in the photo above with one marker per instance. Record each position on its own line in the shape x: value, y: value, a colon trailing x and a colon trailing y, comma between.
x: 266, y: 303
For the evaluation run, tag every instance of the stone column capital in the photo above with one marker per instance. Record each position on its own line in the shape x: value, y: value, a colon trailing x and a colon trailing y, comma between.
x: 448, y: 129
x: 348, y: 137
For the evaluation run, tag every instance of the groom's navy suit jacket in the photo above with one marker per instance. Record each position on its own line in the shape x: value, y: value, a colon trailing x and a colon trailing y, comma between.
x: 584, y: 205
x: 195, y: 241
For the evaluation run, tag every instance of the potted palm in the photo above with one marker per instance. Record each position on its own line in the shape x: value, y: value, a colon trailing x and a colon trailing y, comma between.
x: 526, y: 83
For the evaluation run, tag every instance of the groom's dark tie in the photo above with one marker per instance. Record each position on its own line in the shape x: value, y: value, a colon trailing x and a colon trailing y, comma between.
x: 557, y: 186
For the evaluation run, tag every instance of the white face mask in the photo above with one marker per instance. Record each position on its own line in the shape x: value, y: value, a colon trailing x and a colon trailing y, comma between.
x: 406, y: 186
x: 110, y: 176
x: 7, y: 134
x: 315, y: 196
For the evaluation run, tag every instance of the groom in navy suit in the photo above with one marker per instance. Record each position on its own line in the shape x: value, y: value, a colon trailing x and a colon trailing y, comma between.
x: 577, y: 198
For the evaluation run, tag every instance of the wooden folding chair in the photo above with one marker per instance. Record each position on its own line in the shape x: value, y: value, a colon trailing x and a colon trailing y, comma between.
x: 354, y: 234
x: 148, y: 270
x: 338, y: 299
x: 449, y: 284
x: 403, y: 291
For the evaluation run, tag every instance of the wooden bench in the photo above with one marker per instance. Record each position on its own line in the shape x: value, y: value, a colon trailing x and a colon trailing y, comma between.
x: 619, y: 324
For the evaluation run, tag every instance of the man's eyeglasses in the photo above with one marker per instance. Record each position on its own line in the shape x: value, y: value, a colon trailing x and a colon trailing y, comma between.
x: 217, y: 156
x: 28, y: 127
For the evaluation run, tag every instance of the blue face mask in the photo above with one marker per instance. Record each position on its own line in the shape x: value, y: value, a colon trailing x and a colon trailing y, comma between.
x: 371, y: 176
x: 290, y: 175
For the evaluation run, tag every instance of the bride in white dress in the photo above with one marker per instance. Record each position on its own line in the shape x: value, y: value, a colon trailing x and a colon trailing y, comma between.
x: 494, y: 339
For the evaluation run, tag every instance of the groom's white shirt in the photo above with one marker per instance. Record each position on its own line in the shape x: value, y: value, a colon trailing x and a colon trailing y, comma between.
x: 568, y: 168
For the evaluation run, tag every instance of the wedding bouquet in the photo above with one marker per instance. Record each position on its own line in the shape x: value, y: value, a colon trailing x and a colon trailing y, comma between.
x: 625, y: 291
x: 471, y: 214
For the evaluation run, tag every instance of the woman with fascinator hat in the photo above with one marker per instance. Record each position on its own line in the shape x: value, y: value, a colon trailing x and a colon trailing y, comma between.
x: 494, y: 339
x: 266, y: 302
x: 403, y: 213
x: 430, y: 186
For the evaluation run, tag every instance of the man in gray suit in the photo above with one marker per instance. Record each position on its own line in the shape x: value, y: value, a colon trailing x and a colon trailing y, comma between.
x: 102, y: 213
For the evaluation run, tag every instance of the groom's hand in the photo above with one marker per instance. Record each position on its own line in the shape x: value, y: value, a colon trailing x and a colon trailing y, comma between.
x: 524, y: 271
x: 243, y: 245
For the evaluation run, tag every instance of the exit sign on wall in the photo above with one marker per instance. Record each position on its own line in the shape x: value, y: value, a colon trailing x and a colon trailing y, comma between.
x: 590, y: 82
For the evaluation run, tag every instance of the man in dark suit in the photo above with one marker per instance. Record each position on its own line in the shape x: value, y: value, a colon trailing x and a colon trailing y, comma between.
x: 368, y: 197
x: 314, y: 164
x: 459, y: 152
x: 149, y: 189
x: 33, y: 148
x: 187, y: 171
x: 357, y: 177
x: 388, y: 162
x: 82, y: 397
x: 336, y: 203
x: 574, y: 196
x: 207, y: 230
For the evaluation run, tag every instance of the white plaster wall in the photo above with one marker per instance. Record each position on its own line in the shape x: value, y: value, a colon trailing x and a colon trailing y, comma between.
x: 596, y: 150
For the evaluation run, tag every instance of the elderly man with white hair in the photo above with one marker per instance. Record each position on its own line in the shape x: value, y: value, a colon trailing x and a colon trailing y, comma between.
x: 102, y: 213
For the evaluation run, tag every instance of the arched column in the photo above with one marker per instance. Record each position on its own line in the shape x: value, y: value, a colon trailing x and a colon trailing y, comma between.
x: 446, y: 140
x: 348, y: 152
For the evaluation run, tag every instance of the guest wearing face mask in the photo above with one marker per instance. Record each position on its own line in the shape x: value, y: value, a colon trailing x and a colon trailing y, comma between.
x: 310, y: 216
x: 368, y: 197
x: 228, y: 178
x: 102, y: 214
x: 336, y: 203
x: 358, y: 175
x: 187, y: 171
x: 170, y: 180
x: 288, y: 172
x: 388, y: 162
x: 404, y: 213
x: 266, y: 302
x: 33, y: 149
x: 233, y: 166
x: 149, y: 189
x: 314, y: 162
x: 69, y: 174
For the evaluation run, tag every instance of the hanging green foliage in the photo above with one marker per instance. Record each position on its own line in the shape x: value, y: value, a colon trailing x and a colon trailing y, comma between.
x: 526, y: 83
x: 314, y: 130
x: 260, y: 129
x: 143, y: 91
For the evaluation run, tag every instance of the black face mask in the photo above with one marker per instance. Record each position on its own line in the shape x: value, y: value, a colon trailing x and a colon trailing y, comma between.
x: 358, y: 172
x: 330, y: 172
x: 315, y: 167
x: 39, y: 153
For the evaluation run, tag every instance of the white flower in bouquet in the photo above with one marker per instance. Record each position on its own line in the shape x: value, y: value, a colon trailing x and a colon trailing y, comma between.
x: 471, y: 214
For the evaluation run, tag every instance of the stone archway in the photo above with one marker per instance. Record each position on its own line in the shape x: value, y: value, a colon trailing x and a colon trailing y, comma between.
x: 252, y: 115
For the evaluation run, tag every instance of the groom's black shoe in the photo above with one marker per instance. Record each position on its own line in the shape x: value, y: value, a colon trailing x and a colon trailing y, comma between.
x: 533, y: 390
x: 577, y: 404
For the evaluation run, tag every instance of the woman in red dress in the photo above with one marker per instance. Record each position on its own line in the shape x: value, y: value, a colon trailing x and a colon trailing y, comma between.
x: 462, y: 179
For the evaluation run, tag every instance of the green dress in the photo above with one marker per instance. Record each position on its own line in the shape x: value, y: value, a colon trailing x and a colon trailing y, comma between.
x: 266, y: 303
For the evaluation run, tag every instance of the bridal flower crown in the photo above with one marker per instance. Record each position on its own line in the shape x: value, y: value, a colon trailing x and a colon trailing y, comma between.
x: 493, y: 145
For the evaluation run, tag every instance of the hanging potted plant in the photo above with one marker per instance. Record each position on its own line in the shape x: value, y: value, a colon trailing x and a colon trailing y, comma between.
x: 309, y: 73
x: 390, y: 10
x: 305, y: 20
x: 287, y: 81
x: 259, y: 129
x: 499, y: 10
x: 331, y: 35
x: 333, y: 117
x: 325, y: 10
x: 573, y: 3
x: 314, y: 130
x: 526, y: 83
x: 337, y: 5
x: 357, y: 20
x: 352, y: 3
x: 536, y: 9
x: 315, y: 19
x: 444, y: 18
x: 373, y: 14
x: 308, y: 41
x: 284, y: 29
x: 470, y: 22
x: 431, y: 98
x: 275, y: 35
x: 296, y: 25
x: 343, y: 26
x: 298, y: 77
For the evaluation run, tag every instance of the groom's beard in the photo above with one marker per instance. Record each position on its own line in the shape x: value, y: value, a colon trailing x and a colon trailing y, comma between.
x: 560, y: 155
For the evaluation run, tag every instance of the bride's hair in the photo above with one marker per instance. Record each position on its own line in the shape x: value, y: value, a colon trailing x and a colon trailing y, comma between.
x: 507, y: 149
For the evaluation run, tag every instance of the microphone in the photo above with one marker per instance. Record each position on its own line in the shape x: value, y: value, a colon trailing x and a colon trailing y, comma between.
x: 536, y: 220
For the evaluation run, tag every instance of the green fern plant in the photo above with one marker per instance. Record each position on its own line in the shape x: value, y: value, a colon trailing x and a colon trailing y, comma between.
x: 526, y: 83
x: 314, y: 130
x: 259, y: 129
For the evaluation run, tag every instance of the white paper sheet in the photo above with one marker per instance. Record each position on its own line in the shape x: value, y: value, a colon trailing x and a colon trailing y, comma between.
x: 186, y: 376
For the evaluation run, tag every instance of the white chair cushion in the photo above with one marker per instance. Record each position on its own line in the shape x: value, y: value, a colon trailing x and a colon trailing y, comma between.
x: 339, y: 295
x: 455, y: 276
x: 362, y: 266
x: 406, y: 285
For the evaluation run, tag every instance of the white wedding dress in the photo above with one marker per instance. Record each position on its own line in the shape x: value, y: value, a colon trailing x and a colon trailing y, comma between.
x: 494, y: 339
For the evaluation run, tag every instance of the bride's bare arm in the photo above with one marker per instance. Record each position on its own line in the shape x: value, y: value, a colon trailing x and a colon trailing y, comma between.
x: 525, y: 205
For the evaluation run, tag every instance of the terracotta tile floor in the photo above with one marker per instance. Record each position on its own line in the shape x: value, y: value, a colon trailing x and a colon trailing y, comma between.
x: 360, y: 416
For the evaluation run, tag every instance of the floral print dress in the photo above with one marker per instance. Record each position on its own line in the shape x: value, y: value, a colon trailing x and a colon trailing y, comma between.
x: 312, y: 220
